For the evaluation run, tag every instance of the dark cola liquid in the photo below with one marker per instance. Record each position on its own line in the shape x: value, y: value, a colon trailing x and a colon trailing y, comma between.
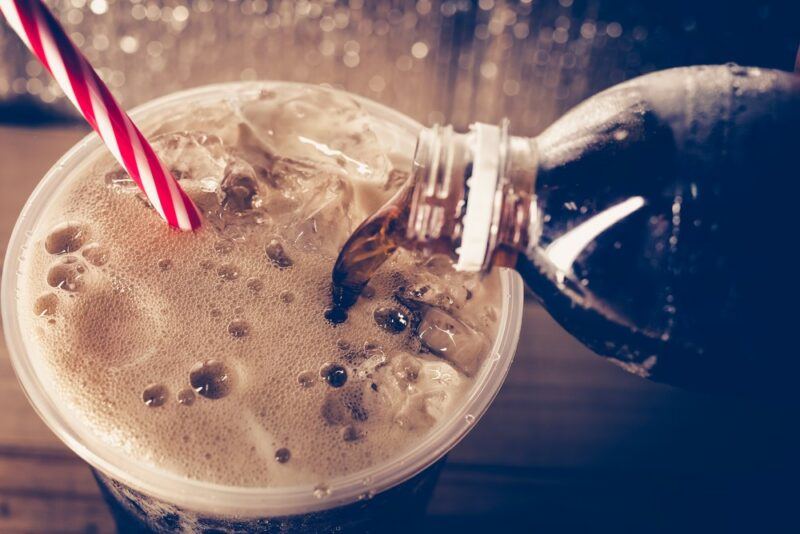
x: 694, y: 283
x: 370, y: 245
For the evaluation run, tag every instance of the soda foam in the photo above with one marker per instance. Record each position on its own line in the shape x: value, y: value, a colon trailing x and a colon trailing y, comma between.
x: 208, y: 354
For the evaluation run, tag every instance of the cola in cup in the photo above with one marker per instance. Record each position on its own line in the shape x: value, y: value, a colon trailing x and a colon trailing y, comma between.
x: 197, y: 373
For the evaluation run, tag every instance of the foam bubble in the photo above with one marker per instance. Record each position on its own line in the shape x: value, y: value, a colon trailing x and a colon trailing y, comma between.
x: 66, y: 237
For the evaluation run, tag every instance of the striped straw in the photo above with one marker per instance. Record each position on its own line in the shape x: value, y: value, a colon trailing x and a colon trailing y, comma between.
x: 45, y: 37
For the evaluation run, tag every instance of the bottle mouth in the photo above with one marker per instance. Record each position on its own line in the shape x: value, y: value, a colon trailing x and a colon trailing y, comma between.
x: 457, y: 201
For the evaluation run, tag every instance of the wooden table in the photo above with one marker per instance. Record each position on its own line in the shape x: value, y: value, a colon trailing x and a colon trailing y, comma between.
x: 570, y: 444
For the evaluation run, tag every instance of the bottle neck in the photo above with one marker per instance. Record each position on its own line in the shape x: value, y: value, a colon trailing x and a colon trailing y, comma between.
x: 473, y: 196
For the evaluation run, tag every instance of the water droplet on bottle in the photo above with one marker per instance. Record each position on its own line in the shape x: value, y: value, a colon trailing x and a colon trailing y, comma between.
x: 238, y: 328
x: 211, y: 379
x: 155, y: 395
x: 283, y: 455
x: 286, y: 296
x: 165, y: 264
x: 469, y: 418
x: 334, y: 374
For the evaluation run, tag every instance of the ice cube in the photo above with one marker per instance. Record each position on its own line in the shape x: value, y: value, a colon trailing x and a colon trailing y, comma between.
x: 192, y: 155
x: 417, y: 392
x: 220, y: 118
x: 321, y: 126
x: 452, y: 339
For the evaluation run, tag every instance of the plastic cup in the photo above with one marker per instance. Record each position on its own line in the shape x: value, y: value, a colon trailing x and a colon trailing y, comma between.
x: 141, y: 495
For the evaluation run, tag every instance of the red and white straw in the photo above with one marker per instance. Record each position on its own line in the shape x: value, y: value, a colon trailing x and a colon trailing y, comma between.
x: 40, y: 31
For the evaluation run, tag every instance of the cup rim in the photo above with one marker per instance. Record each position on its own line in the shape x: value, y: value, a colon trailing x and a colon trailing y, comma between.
x: 217, y: 498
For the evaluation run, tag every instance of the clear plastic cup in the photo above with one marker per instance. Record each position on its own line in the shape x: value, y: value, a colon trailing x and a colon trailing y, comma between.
x: 142, y: 495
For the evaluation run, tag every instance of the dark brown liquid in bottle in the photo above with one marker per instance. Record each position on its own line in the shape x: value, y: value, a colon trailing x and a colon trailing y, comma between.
x: 365, y: 251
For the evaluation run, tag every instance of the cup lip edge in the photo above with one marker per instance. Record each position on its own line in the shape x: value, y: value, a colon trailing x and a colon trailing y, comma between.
x: 181, y: 490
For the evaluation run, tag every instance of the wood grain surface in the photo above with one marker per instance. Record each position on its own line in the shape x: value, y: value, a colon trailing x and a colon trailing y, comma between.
x: 571, y: 443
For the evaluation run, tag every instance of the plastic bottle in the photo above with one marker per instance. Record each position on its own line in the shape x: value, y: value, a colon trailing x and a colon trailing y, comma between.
x: 656, y: 221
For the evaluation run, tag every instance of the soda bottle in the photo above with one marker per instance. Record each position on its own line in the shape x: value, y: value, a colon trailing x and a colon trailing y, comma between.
x: 656, y: 222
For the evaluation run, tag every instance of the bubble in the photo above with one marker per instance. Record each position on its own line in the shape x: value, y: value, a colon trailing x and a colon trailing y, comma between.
x: 211, y: 379
x: 333, y: 411
x: 392, y: 320
x: 368, y: 292
x: 469, y: 418
x: 350, y: 433
x: 228, y: 272
x: 67, y: 275
x: 286, y: 296
x: 277, y: 255
x: 406, y: 368
x: 306, y: 379
x: 238, y: 328
x: 254, y: 285
x: 334, y: 374
x: 186, y: 397
x: 335, y: 315
x: 155, y: 395
x: 283, y: 455
x: 224, y: 246
x: 46, y: 304
x: 165, y: 264
x: 321, y: 491
x: 65, y: 237
x: 96, y: 254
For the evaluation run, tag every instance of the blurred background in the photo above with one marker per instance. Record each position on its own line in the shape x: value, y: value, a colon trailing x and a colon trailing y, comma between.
x: 454, y: 60
x: 571, y: 443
